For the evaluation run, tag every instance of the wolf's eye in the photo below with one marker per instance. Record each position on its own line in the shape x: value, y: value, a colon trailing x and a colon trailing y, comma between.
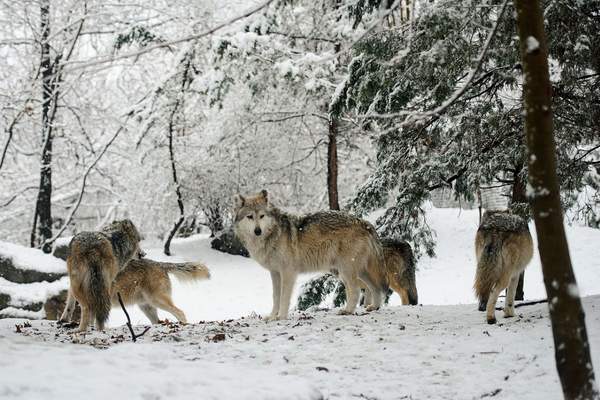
x: 250, y: 217
x: 262, y: 216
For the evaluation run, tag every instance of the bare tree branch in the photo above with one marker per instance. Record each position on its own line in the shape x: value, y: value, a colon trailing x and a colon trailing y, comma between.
x: 75, y: 65
x: 82, y: 190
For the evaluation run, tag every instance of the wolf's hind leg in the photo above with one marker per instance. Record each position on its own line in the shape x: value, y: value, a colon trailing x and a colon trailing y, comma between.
x: 491, y: 304
x: 165, y: 303
x: 150, y: 312
x: 86, y: 317
x: 287, y: 286
x: 67, y: 314
x: 509, y: 306
x: 375, y: 300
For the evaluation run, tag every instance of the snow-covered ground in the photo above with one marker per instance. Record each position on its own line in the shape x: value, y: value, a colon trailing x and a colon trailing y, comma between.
x: 442, y: 349
x: 423, y: 352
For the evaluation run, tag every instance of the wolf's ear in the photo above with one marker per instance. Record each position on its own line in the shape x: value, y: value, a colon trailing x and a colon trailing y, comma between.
x: 238, y: 201
x: 263, y: 193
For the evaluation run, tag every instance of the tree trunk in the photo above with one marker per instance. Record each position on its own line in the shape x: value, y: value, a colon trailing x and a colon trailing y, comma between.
x: 519, y: 195
x: 43, y: 207
x: 172, y: 119
x: 167, y: 247
x: 332, y: 164
x: 572, y: 351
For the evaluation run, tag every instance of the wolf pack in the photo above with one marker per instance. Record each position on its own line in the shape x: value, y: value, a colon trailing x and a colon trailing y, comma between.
x: 108, y: 267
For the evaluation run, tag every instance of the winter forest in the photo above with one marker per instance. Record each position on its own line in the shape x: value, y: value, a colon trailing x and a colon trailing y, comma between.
x: 461, y: 137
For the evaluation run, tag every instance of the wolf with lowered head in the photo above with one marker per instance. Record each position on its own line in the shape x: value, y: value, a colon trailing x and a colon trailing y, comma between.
x: 398, y: 270
x: 287, y: 245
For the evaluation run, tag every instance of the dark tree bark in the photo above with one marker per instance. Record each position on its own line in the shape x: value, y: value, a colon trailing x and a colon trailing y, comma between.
x: 185, y: 80
x: 43, y: 208
x: 332, y: 163
x: 572, y: 351
x: 167, y: 247
x: 519, y: 195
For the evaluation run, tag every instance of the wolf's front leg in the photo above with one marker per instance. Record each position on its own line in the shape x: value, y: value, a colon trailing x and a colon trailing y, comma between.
x: 287, y: 286
x: 352, y: 295
x: 276, y: 283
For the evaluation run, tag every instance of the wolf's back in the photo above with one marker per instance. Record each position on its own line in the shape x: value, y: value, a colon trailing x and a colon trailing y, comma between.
x: 92, y: 258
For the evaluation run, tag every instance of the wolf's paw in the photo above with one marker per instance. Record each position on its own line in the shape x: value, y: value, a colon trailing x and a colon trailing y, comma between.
x: 371, y: 307
x: 491, y: 321
x: 345, y: 312
x: 509, y: 312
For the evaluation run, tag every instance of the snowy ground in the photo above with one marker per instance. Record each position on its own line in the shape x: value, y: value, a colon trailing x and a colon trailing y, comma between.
x: 428, y: 352
x: 441, y: 350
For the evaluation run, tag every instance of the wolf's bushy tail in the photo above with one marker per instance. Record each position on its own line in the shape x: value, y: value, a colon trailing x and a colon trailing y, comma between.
x: 189, y: 271
x: 488, y: 267
x: 99, y: 291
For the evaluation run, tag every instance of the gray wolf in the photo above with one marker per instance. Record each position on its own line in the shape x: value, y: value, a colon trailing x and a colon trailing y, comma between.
x: 93, y: 262
x: 398, y: 270
x: 287, y: 245
x: 503, y: 247
x: 146, y: 283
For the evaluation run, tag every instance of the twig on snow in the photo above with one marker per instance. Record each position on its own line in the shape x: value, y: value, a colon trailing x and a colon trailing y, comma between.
x: 133, y: 335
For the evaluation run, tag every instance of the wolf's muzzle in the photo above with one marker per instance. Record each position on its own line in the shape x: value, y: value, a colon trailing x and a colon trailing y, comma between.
x: 257, y: 231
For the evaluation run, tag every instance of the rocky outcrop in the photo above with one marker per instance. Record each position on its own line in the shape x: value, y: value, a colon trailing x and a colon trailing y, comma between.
x: 61, y: 250
x: 15, y: 274
x: 228, y: 242
x: 28, y: 278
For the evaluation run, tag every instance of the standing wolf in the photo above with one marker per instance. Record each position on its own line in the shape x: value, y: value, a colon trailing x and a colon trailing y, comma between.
x: 93, y: 262
x: 503, y: 247
x: 288, y: 245
x: 398, y: 271
x: 146, y: 283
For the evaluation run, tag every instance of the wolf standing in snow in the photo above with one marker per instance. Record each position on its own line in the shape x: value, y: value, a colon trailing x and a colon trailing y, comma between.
x: 398, y: 270
x: 146, y: 283
x: 93, y: 262
x: 288, y: 245
x: 503, y: 247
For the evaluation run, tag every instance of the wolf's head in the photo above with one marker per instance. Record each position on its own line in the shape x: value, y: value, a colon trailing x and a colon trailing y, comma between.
x: 253, y: 216
x: 125, y: 238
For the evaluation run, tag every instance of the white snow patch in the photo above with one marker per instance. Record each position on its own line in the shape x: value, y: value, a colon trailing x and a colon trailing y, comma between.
x: 33, y: 259
x: 573, y: 290
x: 22, y: 294
x: 534, y: 192
x: 11, y: 312
x: 287, y: 68
x: 532, y: 44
